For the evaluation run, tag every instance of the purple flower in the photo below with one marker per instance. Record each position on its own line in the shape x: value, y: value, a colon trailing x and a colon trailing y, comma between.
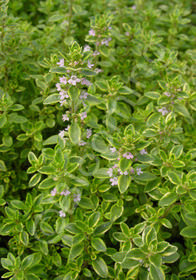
x: 110, y: 172
x: 58, y: 86
x: 82, y: 143
x: 109, y: 27
x: 66, y: 192
x: 134, y: 7
x: 63, y: 94
x: 65, y: 117
x: 61, y: 63
x: 132, y: 170
x: 105, y: 42
x: 127, y: 33
x: 77, y: 197
x: 87, y: 48
x: 86, y: 82
x: 114, y: 166
x: 83, y: 95
x: 90, y: 65
x: 83, y: 115
x: 88, y: 133
x: 163, y: 111
x: 63, y: 80
x: 139, y: 171
x: 121, y: 173
x: 67, y: 128
x: 62, y: 213
x: 128, y: 155
x: 143, y: 151
x: 113, y: 149
x: 61, y: 133
x: 125, y: 173
x: 167, y: 93
x: 114, y: 181
x: 53, y: 192
x: 73, y: 80
x: 97, y: 70
x: 96, y: 53
x: 91, y: 32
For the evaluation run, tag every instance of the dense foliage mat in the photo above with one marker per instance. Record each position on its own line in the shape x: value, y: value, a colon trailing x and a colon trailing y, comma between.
x: 97, y: 139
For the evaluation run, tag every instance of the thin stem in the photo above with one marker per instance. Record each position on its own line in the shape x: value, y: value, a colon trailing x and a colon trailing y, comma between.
x: 70, y: 16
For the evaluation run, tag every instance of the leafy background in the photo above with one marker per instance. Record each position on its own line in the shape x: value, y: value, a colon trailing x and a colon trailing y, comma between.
x: 113, y: 195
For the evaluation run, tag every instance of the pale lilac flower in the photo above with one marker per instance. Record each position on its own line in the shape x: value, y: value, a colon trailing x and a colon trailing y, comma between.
x: 132, y: 170
x: 105, y: 42
x: 140, y: 261
x: 121, y: 173
x: 128, y: 155
x: 125, y: 173
x: 127, y: 33
x: 67, y: 128
x: 65, y: 22
x: 66, y: 192
x: 77, y: 197
x: 96, y: 53
x: 75, y: 63
x: 61, y: 133
x: 61, y: 63
x: 91, y: 32
x: 86, y: 48
x: 139, y: 171
x: 63, y: 80
x: 134, y: 7
x: 88, y: 133
x: 63, y: 94
x: 62, y: 102
x: 73, y: 80
x: 143, y: 151
x: 113, y: 149
x: 97, y: 43
x: 86, y: 82
x: 97, y: 70
x: 65, y: 117
x: 83, y: 115
x: 114, y: 166
x: 62, y: 213
x: 90, y: 65
x: 109, y: 39
x: 82, y: 143
x: 109, y: 27
x: 83, y: 95
x: 114, y: 181
x: 53, y: 192
x: 58, y: 86
x: 163, y: 111
x: 167, y: 93
x: 110, y: 172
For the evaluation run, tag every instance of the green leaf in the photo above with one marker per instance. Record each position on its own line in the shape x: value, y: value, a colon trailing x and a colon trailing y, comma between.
x: 156, y: 260
x: 52, y: 99
x: 59, y: 70
x: 76, y: 250
x: 98, y: 244
x: 189, y: 232
x: 156, y: 273
x: 182, y: 110
x: 152, y: 94
x: 101, y: 229
x: 123, y: 183
x: 35, y: 180
x: 102, y: 85
x: 15, y: 118
x: 75, y: 133
x: 24, y: 237
x: 74, y: 93
x: 124, y: 164
x: 47, y: 184
x: 86, y: 203
x: 145, y: 176
x: 125, y: 90
x: 115, y: 212
x: 130, y: 263
x: 94, y: 219
x: 28, y: 261
x: 100, y: 267
x: 3, y: 120
x: 174, y: 178
x: 2, y: 166
x: 168, y: 199
x: 18, y: 204
x: 30, y: 225
x: 177, y: 151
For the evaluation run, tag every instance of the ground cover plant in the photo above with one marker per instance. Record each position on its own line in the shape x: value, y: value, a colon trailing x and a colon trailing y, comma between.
x: 97, y: 139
